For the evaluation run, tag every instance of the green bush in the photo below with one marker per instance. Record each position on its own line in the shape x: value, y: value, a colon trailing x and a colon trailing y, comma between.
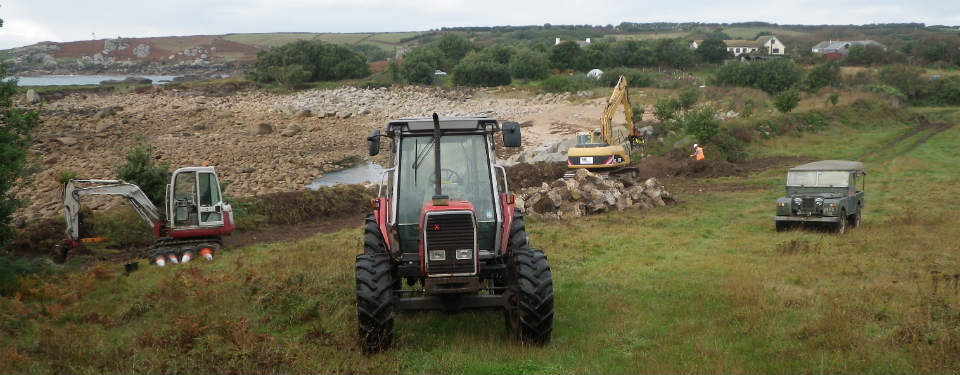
x: 833, y: 98
x: 727, y: 146
x: 635, y: 78
x: 665, y: 109
x: 477, y: 70
x: 888, y: 91
x: 420, y: 64
x: 527, y: 64
x: 65, y: 176
x: 906, y: 79
x: 638, y: 111
x: 324, y: 62
x: 15, y: 127
x: 822, y: 75
x: 772, y: 76
x: 139, y: 169
x: 702, y: 123
x: 566, y: 83
x: 13, y: 268
x: 944, y: 91
x: 688, y: 97
x: 786, y: 101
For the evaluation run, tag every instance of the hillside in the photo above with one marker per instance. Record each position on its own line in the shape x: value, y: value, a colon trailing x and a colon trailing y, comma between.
x: 215, y: 55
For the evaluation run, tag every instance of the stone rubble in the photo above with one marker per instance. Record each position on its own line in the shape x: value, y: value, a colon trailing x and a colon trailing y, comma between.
x: 588, y: 194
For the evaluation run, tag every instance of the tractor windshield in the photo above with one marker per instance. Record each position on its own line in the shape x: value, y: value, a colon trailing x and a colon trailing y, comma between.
x: 464, y: 174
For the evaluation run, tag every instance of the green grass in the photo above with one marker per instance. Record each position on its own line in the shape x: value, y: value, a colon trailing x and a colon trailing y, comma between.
x: 706, y: 286
x: 750, y: 32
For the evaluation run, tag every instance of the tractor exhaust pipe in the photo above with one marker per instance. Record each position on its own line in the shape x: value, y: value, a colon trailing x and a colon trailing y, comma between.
x: 438, y: 198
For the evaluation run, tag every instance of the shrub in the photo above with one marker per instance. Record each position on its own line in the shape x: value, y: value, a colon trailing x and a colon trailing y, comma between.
x: 906, y: 79
x: 665, y: 109
x: 420, y: 64
x: 833, y: 98
x: 15, y: 129
x: 728, y: 146
x: 528, y: 64
x: 565, y: 83
x: 822, y: 75
x: 290, y: 75
x: 638, y: 111
x: 944, y: 91
x: 324, y: 62
x: 786, y: 101
x: 702, y: 123
x: 12, y: 269
x: 772, y: 76
x: 65, y: 176
x: 688, y: 98
x: 476, y: 70
x: 888, y: 91
x: 140, y: 169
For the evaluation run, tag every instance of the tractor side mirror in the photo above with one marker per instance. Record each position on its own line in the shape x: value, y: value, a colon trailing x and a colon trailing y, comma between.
x: 374, y: 141
x: 511, y: 134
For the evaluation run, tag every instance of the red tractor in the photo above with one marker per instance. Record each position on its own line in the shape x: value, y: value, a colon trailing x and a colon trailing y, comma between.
x: 446, y: 224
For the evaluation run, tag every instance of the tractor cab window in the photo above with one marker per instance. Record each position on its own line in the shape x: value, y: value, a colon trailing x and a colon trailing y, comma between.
x: 464, y: 174
x: 185, y: 198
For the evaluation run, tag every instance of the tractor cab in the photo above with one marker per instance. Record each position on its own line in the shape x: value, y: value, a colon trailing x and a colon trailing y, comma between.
x: 445, y: 222
x: 194, y: 203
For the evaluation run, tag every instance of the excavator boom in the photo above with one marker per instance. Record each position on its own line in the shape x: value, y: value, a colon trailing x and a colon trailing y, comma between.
x: 137, y: 198
x: 618, y: 97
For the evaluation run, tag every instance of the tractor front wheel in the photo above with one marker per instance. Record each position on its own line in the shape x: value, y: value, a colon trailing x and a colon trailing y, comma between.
x: 375, y: 301
x: 530, y: 311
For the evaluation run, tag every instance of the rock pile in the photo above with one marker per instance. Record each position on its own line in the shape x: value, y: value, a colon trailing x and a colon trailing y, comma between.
x: 589, y: 193
x: 346, y: 102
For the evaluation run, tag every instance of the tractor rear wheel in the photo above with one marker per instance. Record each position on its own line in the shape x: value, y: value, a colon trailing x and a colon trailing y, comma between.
x: 530, y: 311
x: 375, y: 301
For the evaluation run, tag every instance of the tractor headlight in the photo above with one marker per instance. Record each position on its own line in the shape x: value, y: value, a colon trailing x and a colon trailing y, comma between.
x: 438, y: 255
x: 464, y: 254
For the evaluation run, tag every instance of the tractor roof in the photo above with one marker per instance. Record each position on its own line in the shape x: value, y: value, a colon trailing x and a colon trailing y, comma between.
x: 830, y: 165
x: 446, y: 123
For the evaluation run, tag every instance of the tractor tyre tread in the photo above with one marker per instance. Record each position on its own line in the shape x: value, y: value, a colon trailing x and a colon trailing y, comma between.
x: 375, y: 301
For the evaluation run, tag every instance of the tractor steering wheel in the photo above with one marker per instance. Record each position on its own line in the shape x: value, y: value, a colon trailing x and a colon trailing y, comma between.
x: 454, y: 177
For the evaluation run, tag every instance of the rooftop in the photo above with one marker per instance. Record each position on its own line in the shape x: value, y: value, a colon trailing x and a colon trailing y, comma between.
x: 830, y: 165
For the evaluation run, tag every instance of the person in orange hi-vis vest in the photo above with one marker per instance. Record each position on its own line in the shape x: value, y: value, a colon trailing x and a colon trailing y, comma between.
x: 697, y: 152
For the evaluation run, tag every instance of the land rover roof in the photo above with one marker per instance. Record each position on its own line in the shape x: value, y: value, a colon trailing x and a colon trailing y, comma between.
x: 830, y: 165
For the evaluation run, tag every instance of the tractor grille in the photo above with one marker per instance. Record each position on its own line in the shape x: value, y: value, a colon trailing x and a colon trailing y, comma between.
x: 449, y: 232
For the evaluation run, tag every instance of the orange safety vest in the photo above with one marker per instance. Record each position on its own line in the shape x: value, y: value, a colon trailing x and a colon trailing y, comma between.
x: 699, y: 154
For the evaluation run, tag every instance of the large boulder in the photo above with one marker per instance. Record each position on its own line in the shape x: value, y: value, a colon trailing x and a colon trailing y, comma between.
x: 32, y: 96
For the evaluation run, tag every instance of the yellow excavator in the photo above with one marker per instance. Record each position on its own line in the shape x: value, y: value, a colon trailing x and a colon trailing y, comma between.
x: 599, y: 151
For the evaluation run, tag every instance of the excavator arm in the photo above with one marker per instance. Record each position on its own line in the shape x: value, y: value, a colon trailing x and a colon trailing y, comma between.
x: 72, y: 193
x: 618, y: 97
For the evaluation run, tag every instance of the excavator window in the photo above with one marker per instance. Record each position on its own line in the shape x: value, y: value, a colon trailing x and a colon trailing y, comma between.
x: 209, y: 196
x: 185, y: 198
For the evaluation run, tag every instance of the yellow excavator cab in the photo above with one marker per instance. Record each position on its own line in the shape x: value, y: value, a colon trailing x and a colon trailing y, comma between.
x: 599, y: 150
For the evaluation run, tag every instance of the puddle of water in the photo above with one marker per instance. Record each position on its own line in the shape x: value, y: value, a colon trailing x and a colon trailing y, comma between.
x: 369, y: 172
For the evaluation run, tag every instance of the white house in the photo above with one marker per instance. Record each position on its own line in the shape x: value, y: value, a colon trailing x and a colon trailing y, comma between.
x: 581, y: 43
x: 768, y: 45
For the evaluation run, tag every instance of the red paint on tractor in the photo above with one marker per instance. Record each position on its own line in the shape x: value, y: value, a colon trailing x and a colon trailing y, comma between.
x: 507, y: 208
x: 380, y: 215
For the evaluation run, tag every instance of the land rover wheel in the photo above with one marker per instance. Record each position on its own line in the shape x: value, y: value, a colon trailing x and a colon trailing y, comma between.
x: 855, y: 220
x: 529, y: 314
x: 375, y: 302
x: 782, y: 226
x: 842, y: 224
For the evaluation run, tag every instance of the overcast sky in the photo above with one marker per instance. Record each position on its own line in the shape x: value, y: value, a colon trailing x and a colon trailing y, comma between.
x: 30, y: 21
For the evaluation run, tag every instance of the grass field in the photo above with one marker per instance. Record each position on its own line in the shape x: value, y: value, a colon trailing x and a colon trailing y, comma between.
x: 749, y: 33
x: 706, y: 286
